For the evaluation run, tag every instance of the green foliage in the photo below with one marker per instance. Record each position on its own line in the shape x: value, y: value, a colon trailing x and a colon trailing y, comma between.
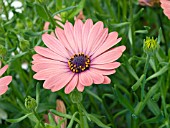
x: 117, y: 105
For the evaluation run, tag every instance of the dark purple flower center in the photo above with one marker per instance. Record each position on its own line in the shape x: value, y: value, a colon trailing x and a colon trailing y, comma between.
x: 79, y: 63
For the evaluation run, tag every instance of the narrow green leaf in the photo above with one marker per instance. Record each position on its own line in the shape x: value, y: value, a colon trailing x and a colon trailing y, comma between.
x: 160, y: 35
x: 51, y: 119
x: 124, y: 101
x: 72, y: 120
x: 155, y: 119
x: 141, y: 31
x: 160, y: 72
x: 130, y: 35
x: 97, y: 121
x: 138, y: 83
x: 64, y: 10
x: 153, y: 107
x: 120, y: 24
x: 63, y: 115
x: 19, y: 119
x: 78, y: 9
x: 41, y: 12
x: 94, y: 95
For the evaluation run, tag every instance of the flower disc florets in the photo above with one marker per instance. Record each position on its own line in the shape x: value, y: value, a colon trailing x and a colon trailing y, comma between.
x: 79, y: 63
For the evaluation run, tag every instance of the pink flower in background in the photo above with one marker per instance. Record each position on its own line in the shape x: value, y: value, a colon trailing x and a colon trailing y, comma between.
x: 80, y: 56
x: 4, y: 81
x: 148, y: 2
x: 165, y: 4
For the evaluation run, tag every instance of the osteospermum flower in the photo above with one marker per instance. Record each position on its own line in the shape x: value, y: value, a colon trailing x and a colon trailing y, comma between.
x: 165, y: 4
x: 80, y: 56
x: 4, y: 81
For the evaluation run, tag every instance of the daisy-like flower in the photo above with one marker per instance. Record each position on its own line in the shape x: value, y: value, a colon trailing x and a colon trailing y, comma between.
x: 165, y: 4
x: 80, y: 56
x: 4, y: 81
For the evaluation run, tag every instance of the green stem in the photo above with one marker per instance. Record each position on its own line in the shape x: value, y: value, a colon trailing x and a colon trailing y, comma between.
x: 144, y: 79
x: 81, y: 116
x: 6, y: 13
x: 38, y: 118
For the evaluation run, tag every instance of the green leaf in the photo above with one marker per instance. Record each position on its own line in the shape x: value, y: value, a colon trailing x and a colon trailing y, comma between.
x: 78, y: 9
x: 120, y: 24
x: 153, y: 107
x: 97, y: 121
x: 64, y: 10
x: 63, y: 115
x: 160, y: 35
x: 72, y: 120
x: 19, y: 119
x: 124, y: 101
x: 154, y: 120
x: 141, y: 31
x: 94, y: 95
x: 51, y: 119
x: 138, y: 83
x: 41, y: 12
x: 159, y: 73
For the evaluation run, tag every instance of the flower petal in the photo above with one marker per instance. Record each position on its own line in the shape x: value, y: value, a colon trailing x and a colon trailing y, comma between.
x: 80, y: 87
x: 69, y: 30
x: 46, y: 73
x: 112, y: 65
x: 5, y: 80
x: 99, y: 41
x: 45, y: 65
x: 61, y: 36
x: 85, y: 78
x: 94, y: 32
x: 102, y: 71
x: 58, y: 81
x: 85, y: 33
x: 78, y: 34
x: 46, y: 52
x: 2, y: 70
x: 109, y: 56
x: 110, y: 41
x: 55, y: 45
x: 72, y: 84
x: 3, y: 89
x: 97, y: 78
x: 106, y: 80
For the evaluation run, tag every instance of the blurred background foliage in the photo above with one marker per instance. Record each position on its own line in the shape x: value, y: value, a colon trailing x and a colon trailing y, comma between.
x: 117, y: 105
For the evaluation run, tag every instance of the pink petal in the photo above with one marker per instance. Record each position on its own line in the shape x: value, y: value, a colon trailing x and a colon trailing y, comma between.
x: 37, y: 57
x: 72, y: 84
x: 55, y: 45
x: 46, y: 73
x: 5, y: 80
x: 94, y: 32
x: 109, y: 56
x: 46, y: 52
x: 2, y: 70
x: 80, y: 87
x: 69, y: 31
x: 112, y: 65
x: 57, y: 64
x: 102, y: 71
x: 61, y: 36
x: 110, y: 41
x: 58, y: 81
x: 85, y: 78
x: 85, y: 33
x: 3, y: 89
x: 106, y: 80
x: 97, y: 78
x: 78, y: 34
x: 99, y: 41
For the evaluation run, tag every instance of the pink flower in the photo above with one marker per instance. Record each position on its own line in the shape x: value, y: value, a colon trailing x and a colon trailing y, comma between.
x: 165, y: 4
x: 4, y: 81
x: 80, y: 56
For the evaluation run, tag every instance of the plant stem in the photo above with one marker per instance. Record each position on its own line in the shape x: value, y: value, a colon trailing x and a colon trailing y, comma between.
x: 144, y: 79
x: 81, y: 116
x: 38, y: 118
